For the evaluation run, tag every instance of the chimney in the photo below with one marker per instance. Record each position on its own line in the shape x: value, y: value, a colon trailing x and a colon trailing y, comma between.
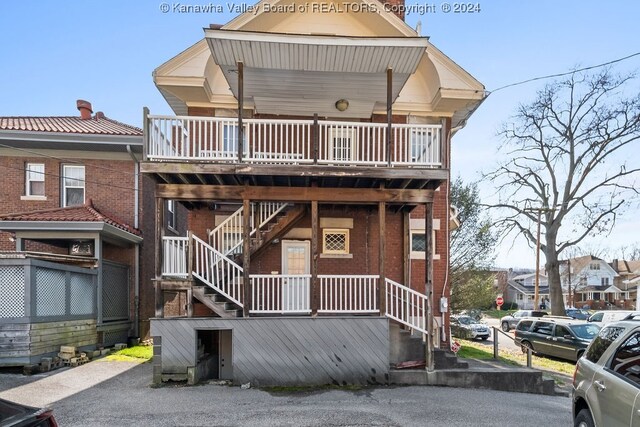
x: 395, y: 6
x: 99, y: 115
x: 85, y: 109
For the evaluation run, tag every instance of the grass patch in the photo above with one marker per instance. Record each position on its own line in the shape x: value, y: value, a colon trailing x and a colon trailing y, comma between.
x: 138, y: 353
x: 473, y: 350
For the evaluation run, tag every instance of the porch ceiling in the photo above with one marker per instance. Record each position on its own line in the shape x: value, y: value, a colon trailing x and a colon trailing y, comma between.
x: 304, y: 74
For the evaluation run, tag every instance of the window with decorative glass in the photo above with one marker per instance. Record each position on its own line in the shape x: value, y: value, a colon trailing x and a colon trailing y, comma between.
x: 34, y: 174
x: 335, y: 241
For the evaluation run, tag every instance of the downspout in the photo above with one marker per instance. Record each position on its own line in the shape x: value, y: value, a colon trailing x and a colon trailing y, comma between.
x: 443, y: 336
x: 136, y: 223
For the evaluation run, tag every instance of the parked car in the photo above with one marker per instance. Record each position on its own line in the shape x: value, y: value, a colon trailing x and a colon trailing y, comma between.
x: 561, y: 337
x: 16, y: 415
x: 577, y: 313
x: 607, y: 316
x: 606, y: 382
x: 468, y: 328
x: 510, y: 321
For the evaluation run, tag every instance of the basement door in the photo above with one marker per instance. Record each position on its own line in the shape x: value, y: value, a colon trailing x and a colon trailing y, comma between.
x: 296, y: 279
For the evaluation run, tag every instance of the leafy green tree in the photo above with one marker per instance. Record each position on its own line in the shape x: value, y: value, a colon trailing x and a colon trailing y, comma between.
x: 472, y: 246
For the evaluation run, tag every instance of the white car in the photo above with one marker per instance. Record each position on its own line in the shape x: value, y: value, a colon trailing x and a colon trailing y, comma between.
x: 601, y: 318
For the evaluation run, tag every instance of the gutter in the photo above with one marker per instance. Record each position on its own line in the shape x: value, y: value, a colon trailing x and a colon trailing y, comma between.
x: 136, y: 224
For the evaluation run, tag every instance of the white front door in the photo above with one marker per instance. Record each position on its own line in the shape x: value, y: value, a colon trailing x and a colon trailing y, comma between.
x: 295, y: 290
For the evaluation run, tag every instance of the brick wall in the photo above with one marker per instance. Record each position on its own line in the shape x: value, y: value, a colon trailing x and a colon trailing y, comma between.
x: 109, y: 183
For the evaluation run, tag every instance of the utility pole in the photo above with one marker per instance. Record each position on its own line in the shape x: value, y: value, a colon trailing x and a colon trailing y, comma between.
x: 537, y: 287
x: 569, y: 273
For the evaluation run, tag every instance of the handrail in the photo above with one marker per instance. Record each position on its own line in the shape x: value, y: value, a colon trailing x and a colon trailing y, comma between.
x: 406, y: 305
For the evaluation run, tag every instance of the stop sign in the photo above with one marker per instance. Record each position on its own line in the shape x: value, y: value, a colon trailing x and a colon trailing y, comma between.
x: 499, y: 301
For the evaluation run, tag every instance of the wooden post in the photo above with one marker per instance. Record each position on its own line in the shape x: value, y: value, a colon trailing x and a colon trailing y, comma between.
x: 382, y: 292
x: 316, y: 138
x: 406, y: 249
x: 146, y: 138
x: 240, y: 110
x: 389, y: 114
x: 315, y: 291
x: 428, y: 264
x: 159, y: 296
x: 246, y: 254
x: 189, y: 302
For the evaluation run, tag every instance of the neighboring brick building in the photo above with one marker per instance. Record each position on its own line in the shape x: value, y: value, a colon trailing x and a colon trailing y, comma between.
x: 72, y: 192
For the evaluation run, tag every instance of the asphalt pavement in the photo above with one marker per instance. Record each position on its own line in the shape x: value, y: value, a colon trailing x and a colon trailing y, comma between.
x: 128, y: 399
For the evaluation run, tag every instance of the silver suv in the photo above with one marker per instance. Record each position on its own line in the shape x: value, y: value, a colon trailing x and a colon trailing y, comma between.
x: 606, y: 382
x: 510, y: 321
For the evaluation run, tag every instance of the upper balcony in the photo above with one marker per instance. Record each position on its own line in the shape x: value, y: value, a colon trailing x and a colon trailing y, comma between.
x: 292, y: 142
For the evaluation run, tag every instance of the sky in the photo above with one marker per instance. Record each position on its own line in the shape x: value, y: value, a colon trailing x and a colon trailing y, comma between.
x: 105, y: 52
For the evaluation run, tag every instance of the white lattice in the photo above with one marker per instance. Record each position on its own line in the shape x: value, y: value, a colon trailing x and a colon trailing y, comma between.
x: 82, y: 291
x: 12, y: 288
x: 50, y: 292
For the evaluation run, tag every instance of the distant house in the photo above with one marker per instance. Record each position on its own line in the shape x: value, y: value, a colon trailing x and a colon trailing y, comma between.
x: 591, y: 282
x: 628, y: 280
x: 521, y: 289
x: 70, y: 213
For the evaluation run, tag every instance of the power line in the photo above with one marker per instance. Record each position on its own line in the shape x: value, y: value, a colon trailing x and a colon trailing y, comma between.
x: 36, y: 153
x: 64, y: 177
x: 566, y: 73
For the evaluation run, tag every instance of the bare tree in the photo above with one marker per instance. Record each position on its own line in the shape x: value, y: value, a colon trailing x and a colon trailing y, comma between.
x: 567, y: 160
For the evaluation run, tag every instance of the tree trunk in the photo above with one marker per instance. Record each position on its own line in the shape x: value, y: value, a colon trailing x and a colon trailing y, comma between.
x: 552, y: 266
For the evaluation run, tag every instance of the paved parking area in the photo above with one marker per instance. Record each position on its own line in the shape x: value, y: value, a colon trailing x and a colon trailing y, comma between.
x: 127, y: 399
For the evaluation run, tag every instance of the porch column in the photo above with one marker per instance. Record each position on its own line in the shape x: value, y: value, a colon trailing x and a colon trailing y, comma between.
x: 428, y: 265
x: 246, y: 254
x: 382, y: 292
x: 315, y: 289
x: 240, y: 110
x: 159, y: 297
x: 389, y: 114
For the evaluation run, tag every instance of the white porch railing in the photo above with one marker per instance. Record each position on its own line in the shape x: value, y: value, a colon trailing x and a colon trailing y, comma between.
x: 348, y: 294
x: 227, y: 237
x: 217, y: 271
x: 280, y: 293
x: 406, y: 306
x: 174, y: 256
x: 190, y: 138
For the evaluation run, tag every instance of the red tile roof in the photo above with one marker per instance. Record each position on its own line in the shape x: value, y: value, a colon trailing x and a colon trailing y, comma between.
x: 83, y: 213
x: 69, y: 124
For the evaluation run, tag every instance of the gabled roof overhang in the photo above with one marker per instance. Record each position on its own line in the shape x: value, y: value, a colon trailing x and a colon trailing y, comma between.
x: 295, y: 74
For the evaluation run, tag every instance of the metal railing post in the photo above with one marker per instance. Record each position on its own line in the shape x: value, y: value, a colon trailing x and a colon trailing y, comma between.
x: 495, y: 342
x: 529, y: 357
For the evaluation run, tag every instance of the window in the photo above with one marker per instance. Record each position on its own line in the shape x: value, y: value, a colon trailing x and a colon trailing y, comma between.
x: 542, y: 328
x: 171, y: 214
x: 341, y: 144
x: 419, y: 244
x: 520, y: 297
x: 335, y: 241
x: 605, y: 281
x: 626, y: 360
x: 421, y: 145
x: 594, y: 266
x: 72, y: 185
x: 602, y: 342
x: 561, y: 331
x: 34, y: 174
x: 230, y: 140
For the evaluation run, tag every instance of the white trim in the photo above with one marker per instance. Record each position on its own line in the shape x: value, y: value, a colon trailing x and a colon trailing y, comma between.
x: 64, y: 185
x: 34, y: 198
x: 28, y: 179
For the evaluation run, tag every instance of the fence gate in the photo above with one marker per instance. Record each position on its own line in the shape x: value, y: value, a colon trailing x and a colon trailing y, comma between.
x: 115, y: 291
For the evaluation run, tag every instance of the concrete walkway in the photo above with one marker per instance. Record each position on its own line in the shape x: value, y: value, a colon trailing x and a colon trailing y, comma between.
x: 46, y: 389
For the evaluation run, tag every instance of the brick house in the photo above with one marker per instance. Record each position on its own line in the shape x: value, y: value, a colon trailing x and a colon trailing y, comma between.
x: 70, y: 239
x: 594, y: 283
x: 312, y: 153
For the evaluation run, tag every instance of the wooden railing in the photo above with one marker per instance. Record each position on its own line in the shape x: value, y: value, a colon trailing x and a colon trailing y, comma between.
x: 348, y: 294
x: 280, y: 293
x: 174, y: 256
x: 406, y: 306
x: 190, y: 138
x: 217, y: 271
x: 227, y: 237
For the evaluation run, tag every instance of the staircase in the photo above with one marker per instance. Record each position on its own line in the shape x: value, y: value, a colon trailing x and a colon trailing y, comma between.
x: 217, y: 264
